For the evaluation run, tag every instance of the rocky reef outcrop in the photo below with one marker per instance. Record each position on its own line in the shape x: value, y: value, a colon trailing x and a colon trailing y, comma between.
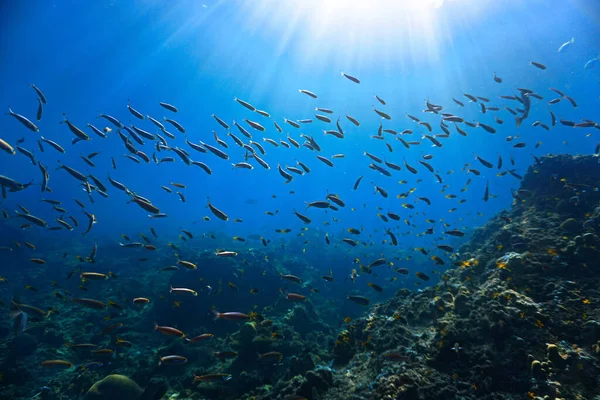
x: 516, y: 317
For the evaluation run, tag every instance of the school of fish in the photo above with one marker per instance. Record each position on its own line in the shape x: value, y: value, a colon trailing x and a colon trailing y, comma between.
x: 244, y: 144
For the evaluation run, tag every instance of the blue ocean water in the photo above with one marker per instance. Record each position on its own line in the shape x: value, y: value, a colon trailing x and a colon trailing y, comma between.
x: 92, y: 58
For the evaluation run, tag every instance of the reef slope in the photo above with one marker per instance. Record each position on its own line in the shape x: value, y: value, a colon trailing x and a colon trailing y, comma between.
x: 516, y: 316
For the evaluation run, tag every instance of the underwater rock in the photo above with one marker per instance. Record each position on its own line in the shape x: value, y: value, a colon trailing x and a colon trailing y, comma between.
x: 304, y: 322
x: 318, y: 380
x: 399, y: 387
x: 590, y: 239
x: 510, y: 261
x: 570, y: 225
x: 536, y: 370
x: 301, y: 364
x: 246, y: 382
x: 52, y: 338
x: 591, y: 331
x: 554, y: 356
x: 343, y: 350
x: 114, y: 387
x: 461, y: 302
x: 247, y: 333
x: 24, y: 345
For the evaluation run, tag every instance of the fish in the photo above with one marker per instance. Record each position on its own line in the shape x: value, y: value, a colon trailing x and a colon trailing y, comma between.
x: 350, y: 77
x: 176, y: 124
x: 23, y: 120
x: 7, y: 147
x: 90, y: 303
x: 325, y: 161
x: 353, y: 120
x: 218, y: 213
x: 382, y: 114
x: 200, y: 338
x: 93, y: 275
x: 486, y: 194
x: 308, y: 93
x: 295, y: 297
x: 381, y: 191
x: 483, y: 162
x: 363, y: 301
x: 40, y: 94
x: 32, y: 218
x: 375, y: 287
x: 218, y: 377
x: 263, y: 113
x: 168, y: 106
x: 40, y: 110
x: 302, y: 218
x: 182, y: 291
x: 486, y: 127
x: 133, y: 111
x: 357, y: 183
x: 74, y: 129
x: 422, y: 276
x: 223, y: 253
x: 255, y: 125
x: 563, y: 47
x: 231, y: 316
x: 292, y: 123
x: 591, y: 63
x: 538, y: 65
x: 168, y: 330
x: 245, y: 104
x: 56, y: 364
x: 157, y: 123
x: 97, y: 131
x: 172, y: 360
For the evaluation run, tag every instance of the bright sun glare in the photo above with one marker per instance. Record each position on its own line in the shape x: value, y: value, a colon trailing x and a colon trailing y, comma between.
x: 352, y: 29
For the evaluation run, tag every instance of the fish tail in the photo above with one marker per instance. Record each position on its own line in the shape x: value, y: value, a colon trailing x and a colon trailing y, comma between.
x: 518, y: 121
x: 217, y: 315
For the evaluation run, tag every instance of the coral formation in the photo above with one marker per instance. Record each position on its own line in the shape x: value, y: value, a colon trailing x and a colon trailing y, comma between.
x: 114, y: 387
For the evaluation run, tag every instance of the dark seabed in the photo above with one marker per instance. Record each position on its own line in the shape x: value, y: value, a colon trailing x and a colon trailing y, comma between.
x: 293, y: 200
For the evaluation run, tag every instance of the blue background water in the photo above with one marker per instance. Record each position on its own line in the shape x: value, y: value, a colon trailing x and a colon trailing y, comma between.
x: 91, y: 57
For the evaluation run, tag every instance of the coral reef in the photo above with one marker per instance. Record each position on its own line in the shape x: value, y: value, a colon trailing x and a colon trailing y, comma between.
x: 515, y: 318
